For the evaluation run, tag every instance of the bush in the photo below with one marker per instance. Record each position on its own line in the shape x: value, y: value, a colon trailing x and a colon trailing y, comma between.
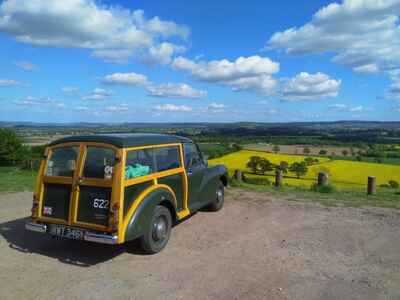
x: 393, y: 184
x: 326, y: 189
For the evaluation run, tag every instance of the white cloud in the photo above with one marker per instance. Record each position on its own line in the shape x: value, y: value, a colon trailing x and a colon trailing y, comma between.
x: 9, y: 82
x: 81, y: 108
x: 126, y: 79
x: 306, y: 86
x: 173, y: 108
x: 363, y: 35
x: 225, y: 70
x: 175, y: 90
x: 215, y: 105
x: 164, y: 90
x: 97, y: 94
x: 121, y: 108
x: 393, y: 92
x: 245, y: 73
x: 162, y: 53
x: 40, y: 102
x: 346, y: 108
x: 111, y: 32
x: 159, y: 27
x: 215, y: 108
x: 26, y: 65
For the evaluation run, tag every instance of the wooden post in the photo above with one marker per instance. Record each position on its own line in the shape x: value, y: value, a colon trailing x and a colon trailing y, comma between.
x: 371, y: 190
x: 238, y: 175
x: 322, y: 179
x: 278, y: 178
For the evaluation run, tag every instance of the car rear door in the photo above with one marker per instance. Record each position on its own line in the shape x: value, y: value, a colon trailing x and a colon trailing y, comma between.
x: 93, y: 187
x: 58, y: 180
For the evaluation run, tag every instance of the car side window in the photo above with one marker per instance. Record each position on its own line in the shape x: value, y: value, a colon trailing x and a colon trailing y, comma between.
x: 167, y: 158
x: 192, y: 156
x: 139, y: 163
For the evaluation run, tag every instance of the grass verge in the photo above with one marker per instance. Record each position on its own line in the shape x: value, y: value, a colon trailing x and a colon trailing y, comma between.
x: 14, y: 179
x: 389, y: 198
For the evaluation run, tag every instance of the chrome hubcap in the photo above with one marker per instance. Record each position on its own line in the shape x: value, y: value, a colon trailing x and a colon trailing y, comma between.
x: 159, y: 229
x: 220, y: 195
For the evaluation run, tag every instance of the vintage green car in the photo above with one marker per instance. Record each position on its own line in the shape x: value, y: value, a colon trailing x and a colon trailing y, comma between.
x: 114, y: 188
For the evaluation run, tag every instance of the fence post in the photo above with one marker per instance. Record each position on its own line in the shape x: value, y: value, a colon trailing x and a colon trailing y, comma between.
x: 371, y: 190
x: 238, y: 175
x: 322, y: 179
x: 278, y: 178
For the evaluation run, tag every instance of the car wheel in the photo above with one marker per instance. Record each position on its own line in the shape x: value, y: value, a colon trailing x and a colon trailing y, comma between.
x: 159, y: 231
x: 218, y: 202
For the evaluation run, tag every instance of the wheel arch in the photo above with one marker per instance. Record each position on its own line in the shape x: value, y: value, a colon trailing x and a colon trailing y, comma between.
x: 140, y: 213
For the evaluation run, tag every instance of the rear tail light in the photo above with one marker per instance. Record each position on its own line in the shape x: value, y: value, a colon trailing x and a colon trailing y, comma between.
x: 35, y: 206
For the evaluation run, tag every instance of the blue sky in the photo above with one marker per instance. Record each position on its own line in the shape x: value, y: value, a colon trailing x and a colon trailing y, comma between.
x: 216, y: 61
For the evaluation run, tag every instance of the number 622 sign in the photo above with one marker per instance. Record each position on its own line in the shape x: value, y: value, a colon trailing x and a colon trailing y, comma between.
x: 101, y: 203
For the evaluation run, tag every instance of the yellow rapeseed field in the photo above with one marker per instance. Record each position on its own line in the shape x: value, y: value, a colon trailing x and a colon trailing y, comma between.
x: 343, y: 174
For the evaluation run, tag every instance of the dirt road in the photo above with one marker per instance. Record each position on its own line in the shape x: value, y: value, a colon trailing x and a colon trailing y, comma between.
x: 257, y: 247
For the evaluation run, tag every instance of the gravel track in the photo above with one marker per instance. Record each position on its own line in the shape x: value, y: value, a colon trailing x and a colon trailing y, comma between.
x: 257, y: 247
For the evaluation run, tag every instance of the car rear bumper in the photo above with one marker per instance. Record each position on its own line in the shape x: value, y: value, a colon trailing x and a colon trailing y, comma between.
x: 42, y: 228
x: 89, y: 236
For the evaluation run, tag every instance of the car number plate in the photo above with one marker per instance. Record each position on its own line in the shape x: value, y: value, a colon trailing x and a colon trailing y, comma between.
x: 67, y: 232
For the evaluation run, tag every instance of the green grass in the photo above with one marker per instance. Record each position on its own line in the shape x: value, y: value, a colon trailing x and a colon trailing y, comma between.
x: 13, y: 179
x: 389, y: 198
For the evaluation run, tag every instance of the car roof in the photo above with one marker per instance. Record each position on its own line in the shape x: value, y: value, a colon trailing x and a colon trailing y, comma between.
x: 124, y: 140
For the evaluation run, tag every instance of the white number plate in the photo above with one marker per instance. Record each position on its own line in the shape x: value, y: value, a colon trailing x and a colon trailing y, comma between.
x: 67, y: 232
x: 101, y: 203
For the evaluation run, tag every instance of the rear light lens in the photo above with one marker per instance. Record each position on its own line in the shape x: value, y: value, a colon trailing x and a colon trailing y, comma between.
x: 35, y: 206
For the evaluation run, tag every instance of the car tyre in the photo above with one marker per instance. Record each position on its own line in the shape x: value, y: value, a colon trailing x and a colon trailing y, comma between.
x: 159, y: 231
x: 218, y: 202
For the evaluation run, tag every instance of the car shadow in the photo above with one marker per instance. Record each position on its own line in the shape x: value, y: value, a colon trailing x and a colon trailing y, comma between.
x: 79, y: 253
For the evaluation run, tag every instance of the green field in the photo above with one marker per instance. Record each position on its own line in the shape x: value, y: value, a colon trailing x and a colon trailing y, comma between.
x: 343, y: 174
x: 13, y: 179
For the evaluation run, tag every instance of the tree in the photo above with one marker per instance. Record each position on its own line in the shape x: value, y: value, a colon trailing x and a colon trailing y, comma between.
x: 306, y: 150
x: 345, y: 152
x: 283, y: 166
x: 252, y: 164
x: 309, y: 161
x: 236, y: 147
x: 394, y: 184
x: 11, y: 149
x: 323, y: 152
x: 264, y: 165
x: 299, y: 168
x: 276, y: 148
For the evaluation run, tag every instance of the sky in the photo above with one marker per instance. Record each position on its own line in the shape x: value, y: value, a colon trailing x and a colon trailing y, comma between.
x: 199, y: 61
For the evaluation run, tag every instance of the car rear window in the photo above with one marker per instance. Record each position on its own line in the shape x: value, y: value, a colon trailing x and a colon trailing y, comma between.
x: 62, y: 161
x: 99, y: 162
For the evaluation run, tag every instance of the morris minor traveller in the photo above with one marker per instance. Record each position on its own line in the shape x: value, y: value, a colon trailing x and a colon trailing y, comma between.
x: 115, y: 188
